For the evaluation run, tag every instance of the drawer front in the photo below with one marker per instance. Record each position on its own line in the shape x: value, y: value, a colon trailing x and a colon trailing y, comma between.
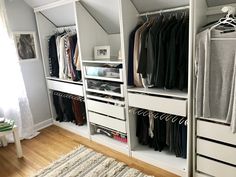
x: 113, y: 74
x: 214, y: 168
x: 215, y: 131
x: 103, y: 87
x: 107, y: 109
x: 160, y: 104
x: 108, y: 122
x: 216, y: 151
x: 65, y: 87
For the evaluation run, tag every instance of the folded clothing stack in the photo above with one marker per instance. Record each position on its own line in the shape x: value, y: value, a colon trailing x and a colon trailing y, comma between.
x: 6, y: 125
x: 111, y: 133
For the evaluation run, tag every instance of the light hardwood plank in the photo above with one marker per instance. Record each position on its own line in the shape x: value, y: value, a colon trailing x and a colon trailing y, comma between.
x: 51, y: 144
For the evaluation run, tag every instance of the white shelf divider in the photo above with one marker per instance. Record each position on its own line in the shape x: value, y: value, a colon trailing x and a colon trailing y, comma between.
x: 65, y: 80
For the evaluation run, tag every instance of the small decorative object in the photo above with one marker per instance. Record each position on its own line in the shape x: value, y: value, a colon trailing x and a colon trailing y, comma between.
x: 102, y: 52
x: 26, y: 45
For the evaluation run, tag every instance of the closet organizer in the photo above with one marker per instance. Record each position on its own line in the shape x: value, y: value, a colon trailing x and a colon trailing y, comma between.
x: 214, y: 138
x: 114, y: 109
x: 159, y: 92
x: 57, y: 27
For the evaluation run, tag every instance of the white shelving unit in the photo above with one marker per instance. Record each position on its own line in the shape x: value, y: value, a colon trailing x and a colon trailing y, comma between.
x: 92, y: 32
x: 213, y: 141
x: 50, y: 18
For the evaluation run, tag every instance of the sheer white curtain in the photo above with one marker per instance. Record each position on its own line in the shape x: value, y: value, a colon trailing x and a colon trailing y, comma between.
x: 13, y: 99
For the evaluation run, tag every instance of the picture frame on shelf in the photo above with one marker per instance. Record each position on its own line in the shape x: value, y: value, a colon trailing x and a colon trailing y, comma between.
x: 26, y: 45
x: 102, y: 52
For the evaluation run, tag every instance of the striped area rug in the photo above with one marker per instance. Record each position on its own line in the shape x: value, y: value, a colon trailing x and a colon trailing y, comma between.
x: 84, y: 162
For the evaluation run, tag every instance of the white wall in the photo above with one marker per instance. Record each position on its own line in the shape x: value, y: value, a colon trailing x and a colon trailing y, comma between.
x: 21, y: 18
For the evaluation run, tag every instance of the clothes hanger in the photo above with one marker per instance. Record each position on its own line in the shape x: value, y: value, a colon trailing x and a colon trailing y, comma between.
x: 228, y: 20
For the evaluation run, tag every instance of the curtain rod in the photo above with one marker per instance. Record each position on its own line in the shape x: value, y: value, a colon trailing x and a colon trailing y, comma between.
x: 164, y: 11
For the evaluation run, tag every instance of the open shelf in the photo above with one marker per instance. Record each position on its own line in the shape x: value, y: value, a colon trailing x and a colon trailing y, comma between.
x: 105, y: 99
x: 64, y: 80
x: 160, y: 92
x: 103, y: 78
x: 79, y: 130
x: 111, y: 143
x: 164, y: 159
x: 104, y: 61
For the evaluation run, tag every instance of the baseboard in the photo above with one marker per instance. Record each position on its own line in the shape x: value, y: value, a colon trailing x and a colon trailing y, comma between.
x: 44, y: 124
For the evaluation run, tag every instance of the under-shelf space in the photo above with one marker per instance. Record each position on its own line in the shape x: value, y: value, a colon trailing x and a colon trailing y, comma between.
x: 65, y: 80
x: 163, y: 159
x: 111, y: 143
x: 80, y: 130
x: 160, y: 92
x: 103, y: 61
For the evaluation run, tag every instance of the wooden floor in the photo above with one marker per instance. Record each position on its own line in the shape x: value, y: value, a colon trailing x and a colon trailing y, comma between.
x: 52, y: 143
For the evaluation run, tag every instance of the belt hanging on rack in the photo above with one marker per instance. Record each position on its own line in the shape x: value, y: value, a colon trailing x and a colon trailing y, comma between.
x: 162, y: 116
x: 67, y: 95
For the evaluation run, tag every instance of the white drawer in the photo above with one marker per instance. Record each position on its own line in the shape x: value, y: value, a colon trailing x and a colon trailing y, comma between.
x: 107, y: 109
x: 216, y: 151
x: 201, y: 175
x: 65, y: 87
x: 160, y: 104
x: 108, y: 122
x: 215, y: 168
x: 215, y: 131
x: 103, y: 73
x: 119, y: 88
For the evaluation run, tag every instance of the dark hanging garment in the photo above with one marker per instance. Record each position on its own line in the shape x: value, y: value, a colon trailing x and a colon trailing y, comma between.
x: 58, y: 108
x: 178, y: 146
x: 171, y: 63
x: 53, y: 58
x: 142, y: 65
x: 131, y: 57
x: 67, y: 110
x: 142, y: 126
x: 183, y: 56
x: 162, y: 53
x: 184, y: 141
x: 78, y: 112
x: 159, y: 134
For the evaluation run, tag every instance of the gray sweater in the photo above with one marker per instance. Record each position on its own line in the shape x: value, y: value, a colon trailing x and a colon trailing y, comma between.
x: 215, y: 71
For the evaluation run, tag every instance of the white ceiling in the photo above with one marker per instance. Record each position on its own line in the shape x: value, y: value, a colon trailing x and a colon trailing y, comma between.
x: 106, y: 12
x: 152, y: 5
x: 219, y: 2
x: 61, y: 15
x: 37, y: 3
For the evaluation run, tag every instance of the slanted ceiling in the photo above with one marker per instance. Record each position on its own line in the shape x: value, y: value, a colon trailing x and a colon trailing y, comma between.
x: 106, y: 11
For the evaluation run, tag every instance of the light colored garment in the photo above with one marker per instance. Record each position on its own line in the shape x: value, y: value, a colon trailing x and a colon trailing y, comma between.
x: 76, y: 58
x: 215, y: 69
x: 151, y: 124
x: 137, y: 48
x: 62, y: 56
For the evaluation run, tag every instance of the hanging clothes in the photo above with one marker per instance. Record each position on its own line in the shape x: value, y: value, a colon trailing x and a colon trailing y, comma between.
x: 161, y: 134
x: 64, y: 56
x: 215, y: 70
x: 69, y: 109
x: 160, y: 57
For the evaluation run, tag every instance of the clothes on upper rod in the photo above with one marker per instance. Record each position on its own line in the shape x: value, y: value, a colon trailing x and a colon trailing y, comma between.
x: 64, y: 62
x: 161, y: 134
x: 215, y: 71
x: 158, y: 53
x: 69, y: 110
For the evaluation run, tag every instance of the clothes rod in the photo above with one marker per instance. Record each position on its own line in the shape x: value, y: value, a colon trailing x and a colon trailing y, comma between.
x: 164, y: 11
